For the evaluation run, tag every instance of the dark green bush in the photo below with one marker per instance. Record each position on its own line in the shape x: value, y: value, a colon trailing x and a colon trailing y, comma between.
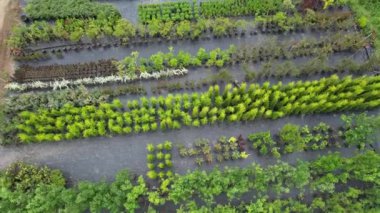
x: 25, y: 177
x: 56, y: 9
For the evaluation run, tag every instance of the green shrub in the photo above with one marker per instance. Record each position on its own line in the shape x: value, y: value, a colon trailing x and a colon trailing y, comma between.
x: 160, y: 147
x: 160, y: 156
x: 363, y: 21
x: 168, y: 145
x: 56, y: 9
x: 150, y: 157
x: 152, y: 174
x: 26, y: 177
x: 150, y: 148
x: 161, y: 165
x: 168, y: 163
x: 233, y: 104
x: 290, y: 135
x: 168, y: 156
x: 151, y: 166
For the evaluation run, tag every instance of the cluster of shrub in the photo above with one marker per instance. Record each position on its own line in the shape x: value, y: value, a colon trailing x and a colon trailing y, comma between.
x: 241, y: 103
x: 159, y: 160
x: 30, y: 188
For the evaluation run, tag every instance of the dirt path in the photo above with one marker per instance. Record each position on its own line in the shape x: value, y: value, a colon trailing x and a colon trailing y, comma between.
x: 9, y: 10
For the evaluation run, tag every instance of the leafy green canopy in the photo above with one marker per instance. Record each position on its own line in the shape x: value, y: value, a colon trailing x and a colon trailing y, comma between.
x: 217, y: 8
x: 56, y: 9
x: 25, y: 177
x: 133, y: 64
x: 179, y: 11
x: 368, y: 17
x: 351, y: 200
x: 320, y: 176
x: 104, y: 25
x: 27, y: 188
x: 168, y: 11
x: 361, y: 129
x: 244, y: 103
x: 294, y: 138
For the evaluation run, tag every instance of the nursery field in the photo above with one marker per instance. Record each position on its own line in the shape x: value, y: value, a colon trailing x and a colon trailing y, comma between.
x: 191, y: 106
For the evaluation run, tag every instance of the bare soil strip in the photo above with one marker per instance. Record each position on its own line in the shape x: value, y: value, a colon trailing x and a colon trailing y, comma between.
x: 9, y: 10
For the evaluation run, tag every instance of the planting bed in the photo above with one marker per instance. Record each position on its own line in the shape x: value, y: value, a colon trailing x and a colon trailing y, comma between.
x: 141, y: 107
x: 87, y: 50
x: 109, y: 155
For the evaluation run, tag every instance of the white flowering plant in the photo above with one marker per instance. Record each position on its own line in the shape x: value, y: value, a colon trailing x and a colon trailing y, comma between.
x: 61, y: 84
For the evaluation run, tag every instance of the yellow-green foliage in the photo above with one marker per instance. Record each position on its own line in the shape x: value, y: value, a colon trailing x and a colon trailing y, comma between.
x: 368, y: 16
